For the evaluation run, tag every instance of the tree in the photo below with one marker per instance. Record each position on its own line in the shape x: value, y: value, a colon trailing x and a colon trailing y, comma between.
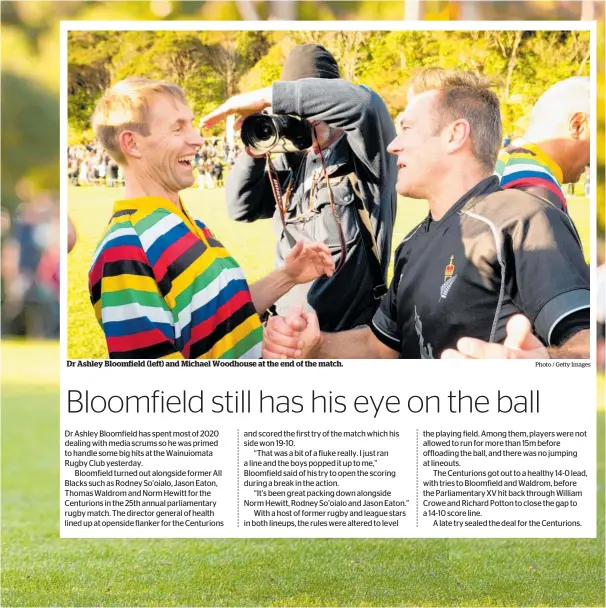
x: 231, y: 56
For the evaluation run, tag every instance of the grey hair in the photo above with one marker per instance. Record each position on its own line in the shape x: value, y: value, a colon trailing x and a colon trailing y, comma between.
x: 552, y: 112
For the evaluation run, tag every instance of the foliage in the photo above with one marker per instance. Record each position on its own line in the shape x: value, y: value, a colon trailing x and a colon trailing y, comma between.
x: 212, y: 66
x: 29, y: 114
x: 30, y: 45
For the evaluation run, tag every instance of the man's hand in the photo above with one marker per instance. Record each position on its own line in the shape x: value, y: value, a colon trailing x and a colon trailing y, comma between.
x: 72, y: 236
x: 520, y: 343
x: 306, y: 262
x: 294, y: 336
x: 243, y: 104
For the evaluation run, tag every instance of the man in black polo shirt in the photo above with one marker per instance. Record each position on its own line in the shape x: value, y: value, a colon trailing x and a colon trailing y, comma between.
x: 481, y: 256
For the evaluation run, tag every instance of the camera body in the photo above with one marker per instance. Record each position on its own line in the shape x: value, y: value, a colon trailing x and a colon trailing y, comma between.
x: 264, y: 133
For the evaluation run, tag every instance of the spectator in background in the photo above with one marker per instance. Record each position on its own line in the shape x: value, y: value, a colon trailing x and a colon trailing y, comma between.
x: 555, y: 148
x: 30, y: 270
x: 218, y: 172
x: 101, y: 172
x: 208, y: 174
x: 83, y: 173
x: 601, y: 306
x: 601, y: 314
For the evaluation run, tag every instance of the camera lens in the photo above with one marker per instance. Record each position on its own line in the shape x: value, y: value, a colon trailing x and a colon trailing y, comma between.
x: 263, y: 131
x: 275, y: 133
x: 259, y: 132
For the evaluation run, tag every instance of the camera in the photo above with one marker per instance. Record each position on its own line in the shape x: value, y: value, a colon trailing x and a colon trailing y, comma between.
x: 264, y: 133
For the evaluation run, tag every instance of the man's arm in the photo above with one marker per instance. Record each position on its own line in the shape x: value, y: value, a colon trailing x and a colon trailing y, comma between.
x: 520, y: 343
x: 528, y: 176
x: 576, y: 347
x: 248, y: 192
x: 548, y: 278
x: 360, y: 112
x: 249, y: 195
x: 299, y: 335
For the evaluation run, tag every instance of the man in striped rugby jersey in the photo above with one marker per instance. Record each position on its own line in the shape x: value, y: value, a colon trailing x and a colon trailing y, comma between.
x: 161, y: 284
x: 555, y: 148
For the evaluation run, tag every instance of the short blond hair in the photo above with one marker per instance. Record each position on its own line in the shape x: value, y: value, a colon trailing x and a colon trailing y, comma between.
x: 466, y: 95
x: 125, y: 107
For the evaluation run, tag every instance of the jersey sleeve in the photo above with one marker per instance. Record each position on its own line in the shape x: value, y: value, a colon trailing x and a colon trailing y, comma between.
x: 384, y: 324
x: 551, y: 278
x: 134, y: 316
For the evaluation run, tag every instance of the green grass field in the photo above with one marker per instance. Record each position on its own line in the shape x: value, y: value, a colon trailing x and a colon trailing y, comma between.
x: 253, y: 245
x: 40, y: 569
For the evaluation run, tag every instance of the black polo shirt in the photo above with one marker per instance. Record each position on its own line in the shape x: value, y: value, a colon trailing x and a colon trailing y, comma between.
x: 495, y: 253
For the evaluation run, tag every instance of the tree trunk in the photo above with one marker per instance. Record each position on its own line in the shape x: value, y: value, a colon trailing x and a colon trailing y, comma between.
x: 283, y: 10
x: 247, y: 10
x: 587, y: 10
x: 469, y: 11
x: 511, y: 64
x: 413, y: 10
x: 582, y: 65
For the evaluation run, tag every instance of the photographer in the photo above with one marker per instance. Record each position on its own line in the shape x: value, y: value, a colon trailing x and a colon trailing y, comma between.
x: 347, y: 162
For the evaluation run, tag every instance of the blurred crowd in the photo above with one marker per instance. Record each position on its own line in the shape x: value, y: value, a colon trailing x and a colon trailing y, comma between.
x: 90, y: 165
x: 30, y: 269
x: 601, y: 312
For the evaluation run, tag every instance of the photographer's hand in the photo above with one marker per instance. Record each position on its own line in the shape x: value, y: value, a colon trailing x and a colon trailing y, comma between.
x: 243, y: 104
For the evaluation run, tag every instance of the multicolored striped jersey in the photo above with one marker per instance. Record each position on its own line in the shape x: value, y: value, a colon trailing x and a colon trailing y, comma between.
x: 162, y: 286
x: 525, y: 166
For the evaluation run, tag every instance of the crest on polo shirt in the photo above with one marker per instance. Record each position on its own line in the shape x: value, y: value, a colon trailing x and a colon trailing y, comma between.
x: 449, y: 278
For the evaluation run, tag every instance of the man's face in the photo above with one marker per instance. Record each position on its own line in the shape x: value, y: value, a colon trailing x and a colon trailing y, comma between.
x: 419, y: 147
x: 168, y: 151
x: 322, y: 135
x: 578, y: 165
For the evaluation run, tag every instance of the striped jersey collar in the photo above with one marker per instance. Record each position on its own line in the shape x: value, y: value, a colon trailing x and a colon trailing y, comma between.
x: 149, y: 204
x: 541, y: 157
